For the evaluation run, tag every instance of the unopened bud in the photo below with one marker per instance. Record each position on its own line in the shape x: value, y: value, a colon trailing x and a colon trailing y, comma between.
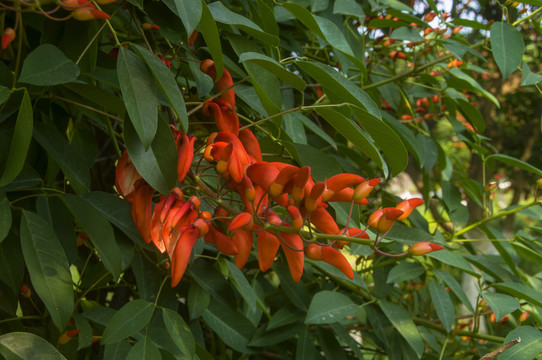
x: 422, y: 248
x: 66, y: 336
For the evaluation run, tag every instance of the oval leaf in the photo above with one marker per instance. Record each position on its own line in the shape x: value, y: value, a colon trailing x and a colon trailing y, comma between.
x: 529, y: 347
x: 501, y: 304
x: 515, y: 162
x: 400, y: 318
x: 144, y: 349
x: 179, y: 332
x: 48, y: 267
x: 508, y: 47
x: 443, y: 304
x: 328, y: 307
x: 131, y: 318
x: 21, y: 345
x: 209, y: 31
x: 139, y: 93
x: 275, y: 68
x: 47, y: 66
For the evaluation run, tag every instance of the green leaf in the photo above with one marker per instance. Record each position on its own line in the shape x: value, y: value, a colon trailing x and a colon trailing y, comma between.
x: 405, y: 270
x: 348, y: 7
x: 443, y: 304
x: 25, y: 346
x: 328, y: 307
x: 209, y: 31
x: 166, y: 82
x: 508, y: 160
x: 139, y: 93
x: 232, y: 327
x: 521, y: 291
x: 99, y: 231
x: 407, y: 34
x: 144, y: 349
x: 275, y: 68
x: 285, y: 316
x: 4, y: 94
x: 353, y: 133
x: 130, y: 318
x: 500, y: 304
x: 242, y: 285
x: 198, y: 300
x: 528, y: 77
x: 48, y: 66
x: 20, y: 142
x: 400, y: 318
x: 223, y: 15
x: 12, y: 266
x: 117, y: 211
x: 158, y: 164
x: 508, y: 47
x: 118, y: 351
x: 296, y: 292
x: 453, y: 259
x: 385, y: 138
x: 529, y: 347
x: 48, y: 267
x: 189, y: 11
x: 455, y: 287
x: 57, y: 146
x: 339, y: 88
x: 5, y: 218
x: 179, y: 332
x: 264, y: 337
x: 305, y: 348
x: 461, y: 75
x: 85, y: 336
x: 472, y: 114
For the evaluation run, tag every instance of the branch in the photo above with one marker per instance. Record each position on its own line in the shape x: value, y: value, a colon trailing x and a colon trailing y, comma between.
x: 492, y: 355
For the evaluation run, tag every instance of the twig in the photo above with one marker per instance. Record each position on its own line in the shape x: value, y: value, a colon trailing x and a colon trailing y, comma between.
x: 501, y: 349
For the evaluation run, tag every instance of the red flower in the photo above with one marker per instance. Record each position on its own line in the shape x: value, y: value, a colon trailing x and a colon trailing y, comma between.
x: 126, y: 176
x: 422, y: 248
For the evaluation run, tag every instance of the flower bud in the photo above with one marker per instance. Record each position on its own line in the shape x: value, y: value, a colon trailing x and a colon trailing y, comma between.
x: 422, y: 248
x: 7, y: 37
x: 66, y: 336
x: 242, y: 221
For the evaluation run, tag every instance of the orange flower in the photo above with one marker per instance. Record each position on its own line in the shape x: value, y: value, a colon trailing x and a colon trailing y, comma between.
x: 182, y: 252
x: 338, y: 182
x: 226, y: 118
x: 7, y: 37
x: 268, y: 245
x: 208, y: 66
x: 66, y: 336
x: 142, y: 208
x: 185, y: 156
x: 126, y: 176
x: 331, y: 256
x: 407, y: 206
x: 292, y: 245
x: 422, y: 248
x: 383, y: 219
x: 89, y: 13
x: 242, y: 221
x: 243, y: 239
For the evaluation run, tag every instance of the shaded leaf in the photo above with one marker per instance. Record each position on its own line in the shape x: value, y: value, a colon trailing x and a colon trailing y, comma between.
x: 455, y: 287
x: 521, y: 291
x: 48, y: 267
x: 400, y: 318
x: 144, y: 349
x: 443, y: 304
x: 512, y: 161
x: 529, y: 347
x: 24, y: 346
x: 405, y: 270
x: 5, y: 218
x: 275, y: 68
x: 46, y: 65
x: 328, y: 307
x: 500, y: 304
x: 209, y: 31
x: 242, y: 285
x: 198, y: 300
x: 128, y: 320
x: 179, y: 332
x: 472, y: 114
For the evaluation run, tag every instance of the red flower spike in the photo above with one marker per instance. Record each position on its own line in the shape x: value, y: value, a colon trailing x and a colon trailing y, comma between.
x: 248, y: 188
x: 339, y: 182
x: 312, y: 201
x: 383, y: 219
x: 277, y: 186
x: 262, y: 174
x: 147, y: 26
x: 223, y: 162
x: 524, y: 315
x: 156, y: 225
x: 209, y: 146
x: 295, y: 258
x: 180, y: 258
x: 324, y: 221
x: 334, y: 257
x: 268, y: 245
x: 223, y: 243
x: 364, y: 189
x: 313, y: 251
x: 406, y: 206
x: 202, y: 225
x: 7, y: 37
x: 422, y: 248
x: 295, y: 215
x: 301, y: 179
x: 346, y: 195
x: 226, y: 118
x: 251, y: 144
x: 185, y: 156
x: 243, y: 221
x: 126, y: 176
x: 106, y: 2
x: 243, y: 239
x: 66, y: 336
x: 142, y: 209
x: 208, y: 67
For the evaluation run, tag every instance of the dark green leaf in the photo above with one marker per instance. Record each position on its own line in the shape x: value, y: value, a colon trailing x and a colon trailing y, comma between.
x: 223, y: 15
x: 407, y: 34
x: 85, y: 336
x: 330, y: 346
x: 99, y: 231
x: 118, y: 351
x: 453, y: 259
x: 455, y: 287
x: 139, y: 93
x: 443, y: 304
x: 501, y: 304
x: 144, y: 349
x: 296, y: 292
x: 166, y: 82
x: 5, y: 218
x: 328, y: 307
x: 528, y: 77
x: 529, y: 347
x: 512, y: 161
x: 48, y: 267
x: 189, y: 11
x: 521, y: 291
x: 20, y: 142
x: 461, y: 75
x: 345, y: 336
x: 472, y: 114
x: 305, y: 348
x: 57, y: 146
x: 26, y: 346
x: 131, y: 318
x: 285, y: 316
x: 508, y: 47
x: 209, y: 31
x: 47, y: 66
x: 242, y: 285
x: 405, y: 270
x: 264, y: 337
x: 198, y: 300
x: 400, y: 318
x: 179, y: 332
x: 4, y: 94
x: 348, y: 7
x: 158, y: 164
x: 232, y: 327
x: 275, y: 68
x: 12, y: 267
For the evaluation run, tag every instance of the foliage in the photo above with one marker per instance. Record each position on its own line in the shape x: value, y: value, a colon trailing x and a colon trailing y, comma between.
x: 131, y: 229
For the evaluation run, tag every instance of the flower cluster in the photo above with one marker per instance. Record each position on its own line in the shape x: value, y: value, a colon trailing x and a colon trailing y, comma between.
x: 281, y: 203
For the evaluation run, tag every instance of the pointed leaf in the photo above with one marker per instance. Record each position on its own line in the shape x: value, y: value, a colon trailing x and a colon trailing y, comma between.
x: 48, y: 66
x: 166, y: 82
x: 24, y: 346
x: 443, y: 304
x: 400, y: 318
x: 472, y: 114
x: 508, y: 160
x: 179, y: 332
x: 508, y: 47
x: 5, y: 218
x: 209, y: 31
x: 130, y: 318
x: 20, y: 142
x: 328, y: 307
x: 5, y: 93
x: 521, y: 291
x: 99, y: 231
x: 144, y: 349
x: 139, y: 93
x: 501, y: 304
x: 305, y: 348
x: 405, y: 270
x: 48, y: 267
x: 529, y: 347
x: 242, y: 285
x: 455, y: 287
x: 189, y: 11
x: 198, y: 300
x: 528, y: 77
x: 12, y: 266
x: 275, y: 68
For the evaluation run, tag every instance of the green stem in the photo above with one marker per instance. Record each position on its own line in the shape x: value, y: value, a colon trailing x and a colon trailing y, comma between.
x: 494, y: 217
x: 527, y: 17
x: 432, y: 325
x: 19, y: 51
x: 20, y: 318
